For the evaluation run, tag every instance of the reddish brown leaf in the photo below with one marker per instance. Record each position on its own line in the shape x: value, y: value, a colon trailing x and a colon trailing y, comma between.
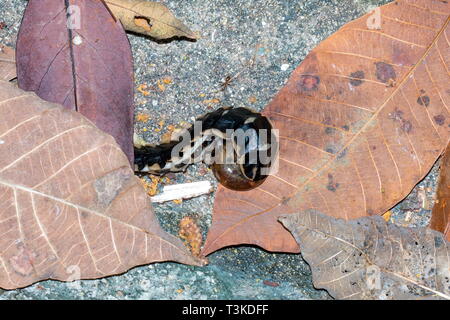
x: 440, y: 219
x: 361, y: 121
x: 70, y: 200
x: 7, y: 63
x: 87, y: 67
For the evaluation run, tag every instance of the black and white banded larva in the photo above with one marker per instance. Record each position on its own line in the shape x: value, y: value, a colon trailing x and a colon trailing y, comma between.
x: 237, y: 143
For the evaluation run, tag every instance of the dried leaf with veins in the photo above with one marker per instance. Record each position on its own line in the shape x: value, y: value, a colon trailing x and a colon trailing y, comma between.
x: 7, y: 63
x: 360, y: 121
x: 440, y: 219
x: 150, y: 18
x: 69, y: 198
x: 369, y: 258
x: 82, y: 61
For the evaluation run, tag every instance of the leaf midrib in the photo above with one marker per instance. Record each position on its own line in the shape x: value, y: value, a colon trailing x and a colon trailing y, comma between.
x: 82, y: 208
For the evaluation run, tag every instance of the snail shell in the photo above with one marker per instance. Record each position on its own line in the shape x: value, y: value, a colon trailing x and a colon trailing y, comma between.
x: 231, y: 177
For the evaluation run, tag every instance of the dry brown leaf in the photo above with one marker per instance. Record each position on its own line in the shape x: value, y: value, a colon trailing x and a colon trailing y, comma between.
x: 150, y: 18
x: 440, y: 219
x: 369, y: 258
x: 69, y: 198
x: 7, y: 63
x: 360, y: 121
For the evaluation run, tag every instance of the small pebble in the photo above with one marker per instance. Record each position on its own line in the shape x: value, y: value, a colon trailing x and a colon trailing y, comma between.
x: 77, y: 40
x: 284, y: 67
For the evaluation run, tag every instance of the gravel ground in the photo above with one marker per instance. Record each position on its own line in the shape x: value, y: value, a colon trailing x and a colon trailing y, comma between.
x: 258, y: 43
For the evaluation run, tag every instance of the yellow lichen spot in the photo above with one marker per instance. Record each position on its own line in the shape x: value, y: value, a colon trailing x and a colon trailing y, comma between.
x: 211, y: 101
x: 161, y: 85
x: 151, y: 187
x: 167, y: 80
x: 144, y: 129
x: 165, y: 180
x: 142, y: 89
x: 191, y: 233
x: 252, y: 99
x: 179, y: 290
x: 166, y: 137
x: 184, y: 124
x: 387, y: 216
x: 178, y: 201
x: 202, y: 95
x: 142, y: 117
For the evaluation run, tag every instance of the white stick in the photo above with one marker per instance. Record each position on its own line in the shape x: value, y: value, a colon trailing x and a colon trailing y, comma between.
x: 183, y: 191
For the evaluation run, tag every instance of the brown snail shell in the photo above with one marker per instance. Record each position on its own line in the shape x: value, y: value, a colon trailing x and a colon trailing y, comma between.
x: 231, y: 177
x: 231, y: 174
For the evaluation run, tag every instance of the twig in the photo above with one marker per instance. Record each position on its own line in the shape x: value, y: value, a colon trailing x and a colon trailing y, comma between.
x: 183, y: 191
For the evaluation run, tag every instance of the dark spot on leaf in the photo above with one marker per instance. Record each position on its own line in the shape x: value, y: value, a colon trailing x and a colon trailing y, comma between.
x: 406, y: 126
x: 332, y: 185
x: 423, y: 100
x: 329, y: 130
x: 385, y: 72
x: 357, y: 78
x: 285, y: 200
x: 346, y: 127
x: 397, y: 115
x: 342, y: 154
x: 439, y: 119
x: 309, y: 83
x: 400, y: 56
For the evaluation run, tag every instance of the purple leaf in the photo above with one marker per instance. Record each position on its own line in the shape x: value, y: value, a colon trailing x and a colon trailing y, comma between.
x: 74, y: 52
